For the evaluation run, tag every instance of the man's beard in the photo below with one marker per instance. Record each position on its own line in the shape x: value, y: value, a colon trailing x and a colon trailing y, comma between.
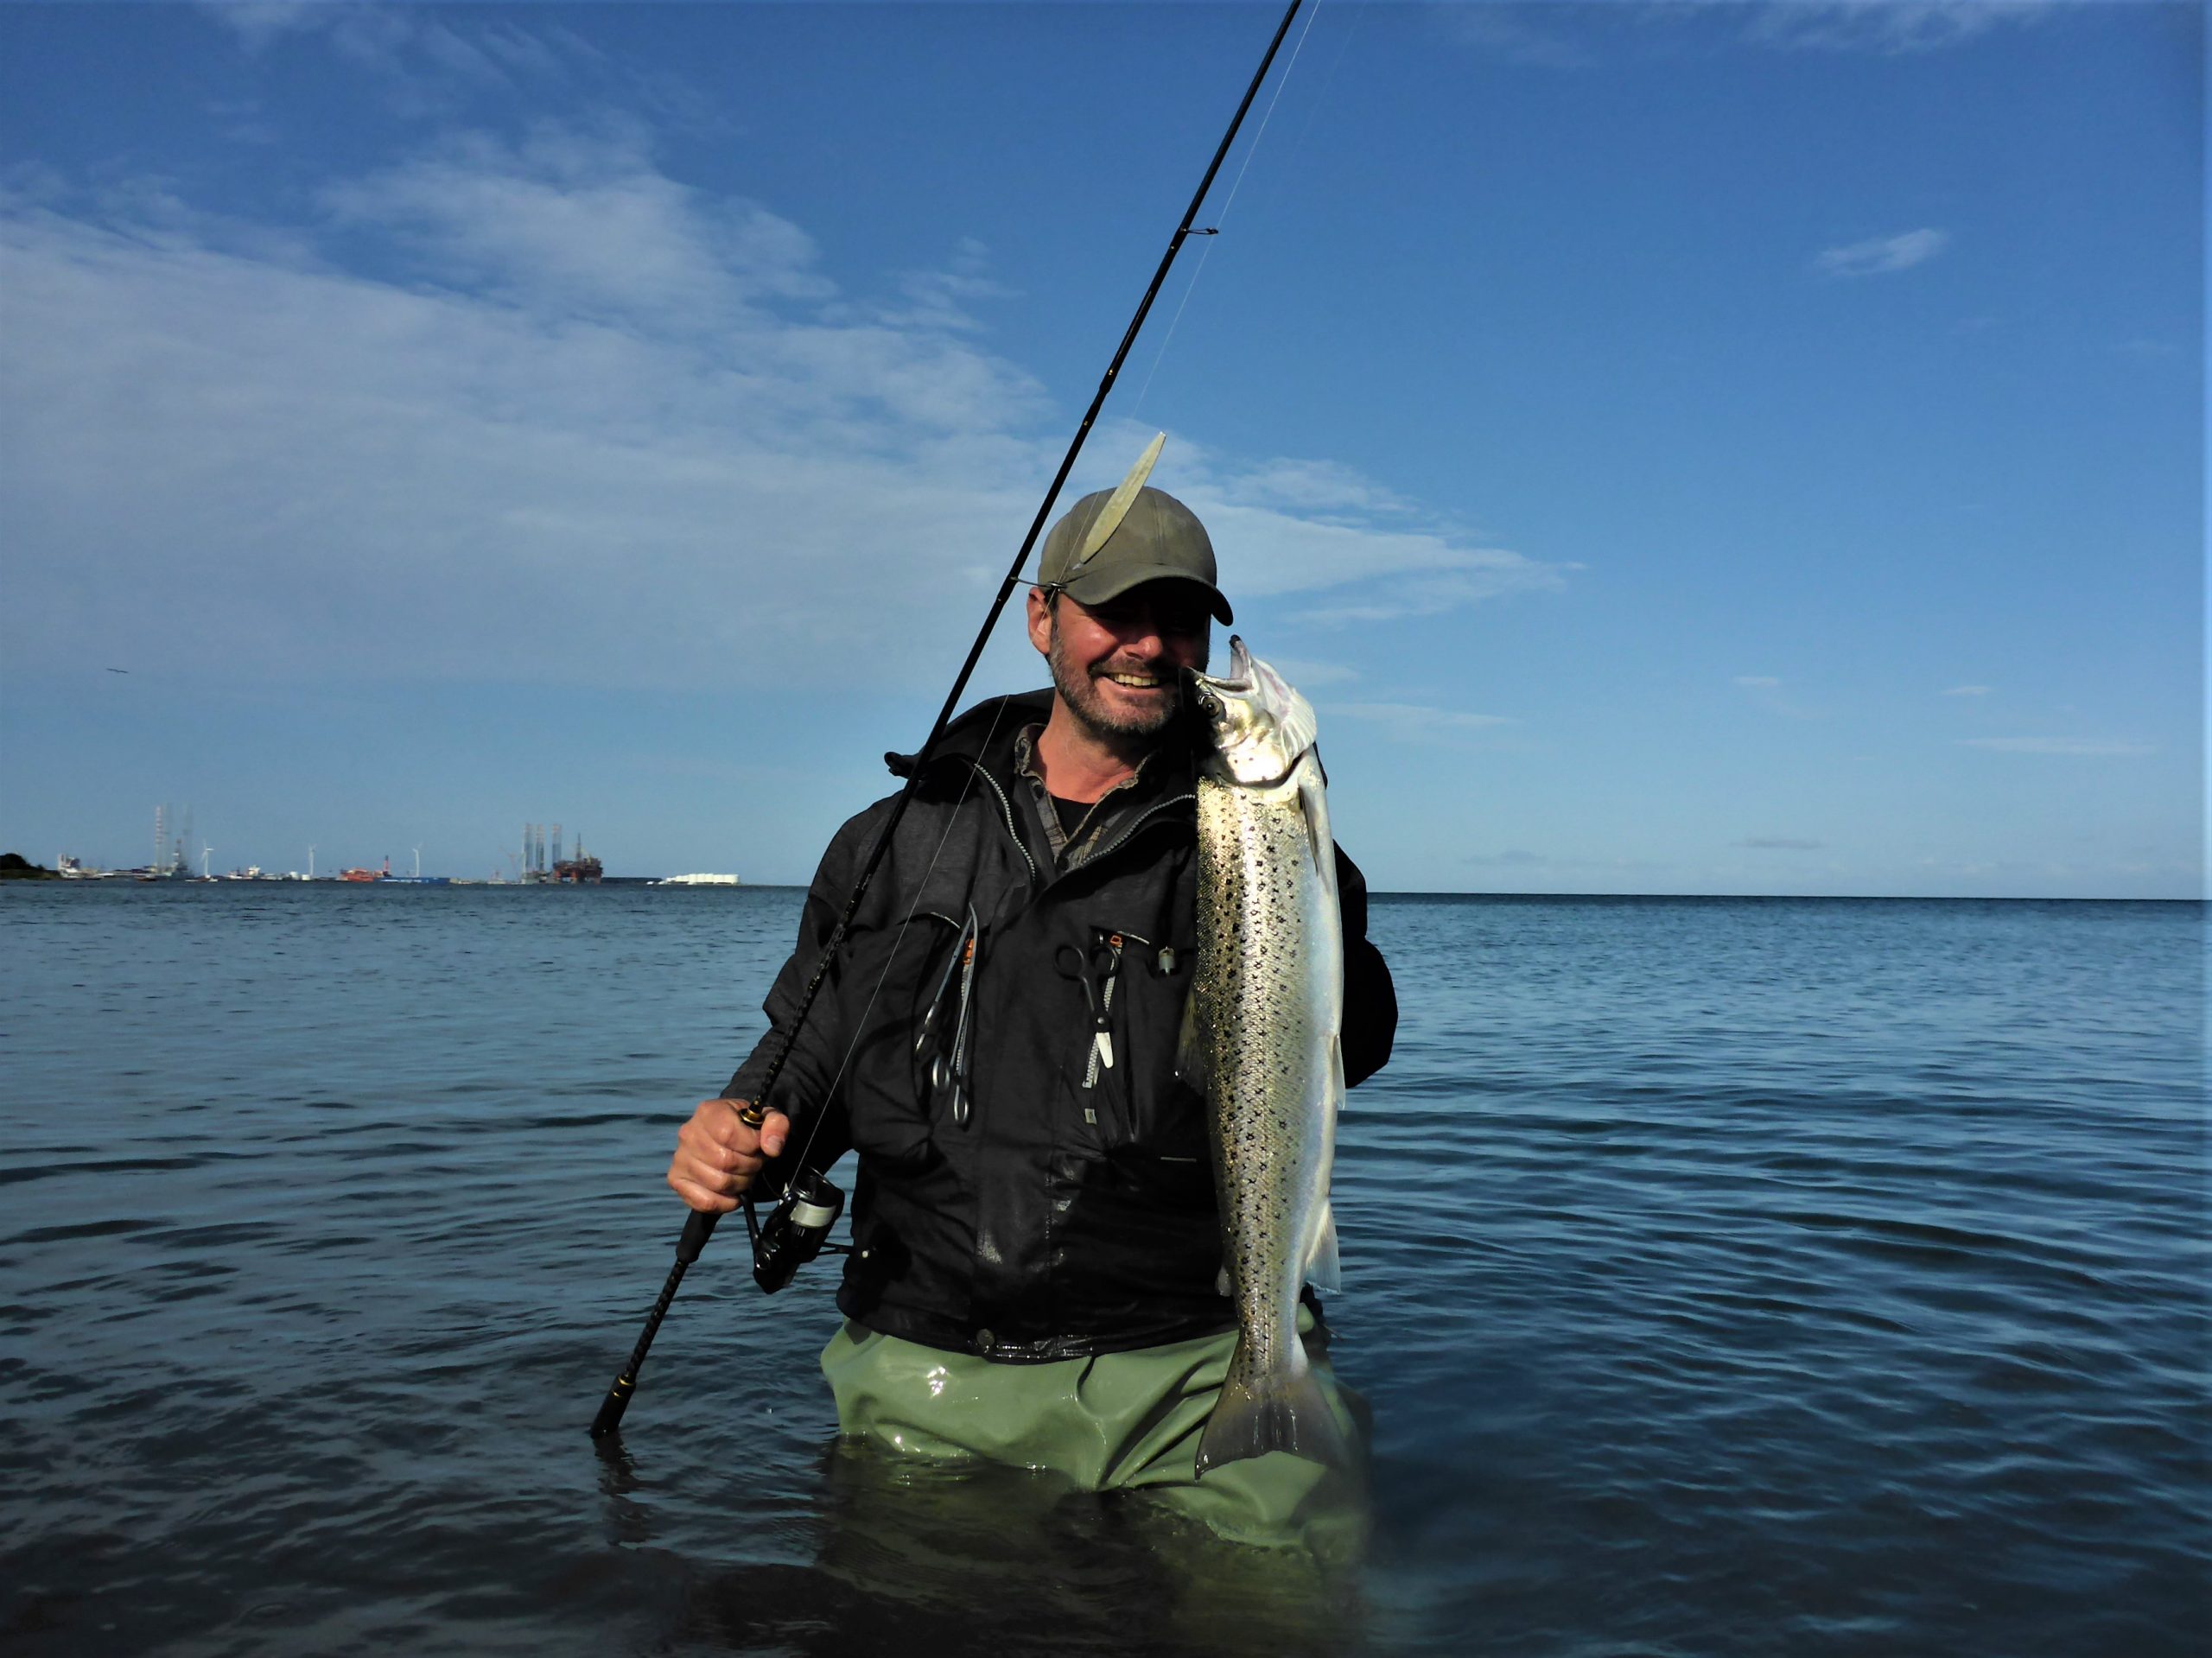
x: 1080, y: 692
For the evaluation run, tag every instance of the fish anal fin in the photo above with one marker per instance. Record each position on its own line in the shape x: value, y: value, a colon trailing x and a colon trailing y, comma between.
x: 1323, y: 1270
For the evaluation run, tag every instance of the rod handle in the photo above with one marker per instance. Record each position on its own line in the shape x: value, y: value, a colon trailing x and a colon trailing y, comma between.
x: 696, y: 1230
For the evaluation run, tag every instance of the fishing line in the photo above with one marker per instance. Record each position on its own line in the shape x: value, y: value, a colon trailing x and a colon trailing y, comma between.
x: 1222, y: 218
x: 701, y: 1226
x: 860, y: 1025
x: 820, y: 1111
x: 1321, y: 93
x: 1252, y: 149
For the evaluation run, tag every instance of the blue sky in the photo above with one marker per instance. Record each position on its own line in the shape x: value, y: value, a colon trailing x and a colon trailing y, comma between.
x: 1681, y: 449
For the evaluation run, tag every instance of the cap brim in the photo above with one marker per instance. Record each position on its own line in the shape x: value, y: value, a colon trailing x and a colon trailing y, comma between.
x: 1095, y: 586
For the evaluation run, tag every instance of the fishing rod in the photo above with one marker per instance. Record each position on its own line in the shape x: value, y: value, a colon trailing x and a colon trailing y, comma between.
x: 815, y: 1204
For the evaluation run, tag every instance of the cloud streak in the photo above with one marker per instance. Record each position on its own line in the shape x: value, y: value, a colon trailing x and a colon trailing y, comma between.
x: 440, y: 430
x: 1438, y: 576
x: 582, y: 224
x: 1414, y: 722
x: 2084, y: 748
x: 1882, y: 256
x: 1512, y: 35
x: 1885, y: 28
x: 1765, y: 691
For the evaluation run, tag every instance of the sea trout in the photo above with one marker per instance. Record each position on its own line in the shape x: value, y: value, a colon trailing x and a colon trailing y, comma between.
x: 1262, y: 1038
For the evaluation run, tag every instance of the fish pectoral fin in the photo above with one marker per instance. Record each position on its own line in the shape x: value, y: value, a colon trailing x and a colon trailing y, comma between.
x: 1190, y: 1055
x: 1313, y: 802
x: 1323, y: 1270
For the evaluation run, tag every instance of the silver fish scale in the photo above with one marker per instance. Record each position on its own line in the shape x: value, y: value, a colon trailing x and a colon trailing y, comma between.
x: 1266, y: 993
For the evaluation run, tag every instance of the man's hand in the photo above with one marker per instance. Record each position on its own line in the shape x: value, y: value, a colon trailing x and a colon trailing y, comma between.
x: 717, y: 1154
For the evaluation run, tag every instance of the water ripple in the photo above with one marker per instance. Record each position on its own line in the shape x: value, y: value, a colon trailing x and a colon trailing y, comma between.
x: 1726, y: 1277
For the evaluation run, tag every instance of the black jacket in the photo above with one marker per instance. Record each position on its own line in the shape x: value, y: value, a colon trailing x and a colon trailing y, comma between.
x: 1072, y: 1211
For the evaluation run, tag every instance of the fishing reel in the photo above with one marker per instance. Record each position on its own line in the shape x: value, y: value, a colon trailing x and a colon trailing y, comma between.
x: 794, y: 1231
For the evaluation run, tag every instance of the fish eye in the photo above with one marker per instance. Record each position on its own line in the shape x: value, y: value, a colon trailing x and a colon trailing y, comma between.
x: 1209, y: 705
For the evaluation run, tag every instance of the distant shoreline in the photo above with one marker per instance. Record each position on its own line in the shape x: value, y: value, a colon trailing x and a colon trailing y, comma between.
x: 122, y: 878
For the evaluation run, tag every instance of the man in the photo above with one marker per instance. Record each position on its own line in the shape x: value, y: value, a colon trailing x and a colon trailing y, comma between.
x: 1036, y: 1244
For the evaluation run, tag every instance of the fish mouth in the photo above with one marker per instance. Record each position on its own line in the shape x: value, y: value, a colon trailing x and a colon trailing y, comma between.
x: 1239, y: 677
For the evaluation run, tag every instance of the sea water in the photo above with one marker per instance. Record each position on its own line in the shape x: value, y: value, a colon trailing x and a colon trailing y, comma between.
x: 1725, y: 1276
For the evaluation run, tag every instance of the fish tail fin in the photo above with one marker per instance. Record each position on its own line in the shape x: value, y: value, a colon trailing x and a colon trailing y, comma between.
x: 1285, y: 1411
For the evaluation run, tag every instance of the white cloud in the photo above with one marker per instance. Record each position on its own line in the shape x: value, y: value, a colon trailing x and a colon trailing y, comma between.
x: 584, y: 224
x: 1432, y: 574
x: 1303, y: 672
x: 1883, y: 255
x: 1526, y: 32
x: 1314, y: 486
x: 513, y: 454
x: 1968, y: 690
x: 1778, y: 844
x: 1412, y: 722
x: 259, y: 22
x: 1512, y: 33
x: 1889, y: 28
x: 1765, y: 691
x: 2086, y: 746
x: 521, y: 51
x: 321, y: 474
x: 430, y: 63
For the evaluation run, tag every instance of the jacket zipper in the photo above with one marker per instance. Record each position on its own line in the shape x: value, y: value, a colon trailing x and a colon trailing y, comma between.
x: 1122, y: 839
x: 1005, y: 817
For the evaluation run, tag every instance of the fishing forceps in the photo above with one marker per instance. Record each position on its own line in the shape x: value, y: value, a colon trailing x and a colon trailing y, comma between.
x: 949, y: 1068
x: 1073, y: 963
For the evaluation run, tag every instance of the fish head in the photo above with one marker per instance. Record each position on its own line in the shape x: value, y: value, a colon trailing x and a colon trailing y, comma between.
x: 1256, y: 726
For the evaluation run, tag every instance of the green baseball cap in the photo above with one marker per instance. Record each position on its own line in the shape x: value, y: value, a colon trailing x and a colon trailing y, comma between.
x: 1158, y: 539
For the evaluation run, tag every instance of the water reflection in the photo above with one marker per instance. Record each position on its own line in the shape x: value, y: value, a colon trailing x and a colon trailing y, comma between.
x: 913, y: 1554
x: 629, y: 1519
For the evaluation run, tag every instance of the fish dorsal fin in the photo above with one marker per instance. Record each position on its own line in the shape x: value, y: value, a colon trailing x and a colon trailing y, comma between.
x: 1296, y: 729
x: 1117, y: 504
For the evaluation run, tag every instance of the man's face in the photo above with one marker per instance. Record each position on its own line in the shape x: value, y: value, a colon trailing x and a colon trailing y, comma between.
x: 1118, y: 664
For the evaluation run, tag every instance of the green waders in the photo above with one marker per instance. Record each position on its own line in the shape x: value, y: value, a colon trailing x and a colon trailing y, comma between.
x: 1113, y: 1422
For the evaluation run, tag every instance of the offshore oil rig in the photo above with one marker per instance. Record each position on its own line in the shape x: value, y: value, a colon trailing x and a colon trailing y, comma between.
x: 583, y: 869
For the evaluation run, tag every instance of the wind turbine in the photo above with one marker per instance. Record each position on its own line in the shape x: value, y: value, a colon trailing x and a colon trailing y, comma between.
x: 310, y: 861
x: 418, y: 862
x: 205, y: 853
